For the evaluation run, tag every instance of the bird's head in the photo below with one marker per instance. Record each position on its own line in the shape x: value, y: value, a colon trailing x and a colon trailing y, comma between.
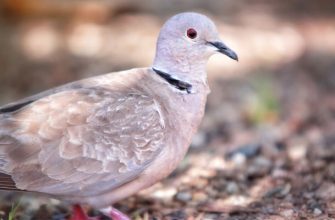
x: 186, y: 41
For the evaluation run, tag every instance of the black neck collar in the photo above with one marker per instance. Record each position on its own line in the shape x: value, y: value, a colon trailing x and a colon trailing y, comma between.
x: 181, y: 85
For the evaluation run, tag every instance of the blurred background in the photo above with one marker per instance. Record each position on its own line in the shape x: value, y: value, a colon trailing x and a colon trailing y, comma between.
x: 266, y: 147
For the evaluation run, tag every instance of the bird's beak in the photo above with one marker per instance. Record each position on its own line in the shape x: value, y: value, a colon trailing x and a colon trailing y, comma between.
x: 222, y: 48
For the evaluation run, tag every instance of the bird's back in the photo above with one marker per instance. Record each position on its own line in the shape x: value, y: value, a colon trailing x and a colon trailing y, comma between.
x: 79, y: 137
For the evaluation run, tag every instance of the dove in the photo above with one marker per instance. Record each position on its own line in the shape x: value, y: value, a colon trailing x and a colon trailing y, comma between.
x: 101, y: 139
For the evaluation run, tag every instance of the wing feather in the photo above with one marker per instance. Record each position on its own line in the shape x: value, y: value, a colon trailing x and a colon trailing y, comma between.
x: 80, y: 139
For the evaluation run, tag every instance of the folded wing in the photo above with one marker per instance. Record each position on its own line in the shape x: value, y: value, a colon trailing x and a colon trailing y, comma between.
x: 80, y: 140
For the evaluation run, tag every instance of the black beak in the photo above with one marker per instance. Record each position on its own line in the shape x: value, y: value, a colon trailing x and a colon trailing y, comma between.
x: 222, y: 48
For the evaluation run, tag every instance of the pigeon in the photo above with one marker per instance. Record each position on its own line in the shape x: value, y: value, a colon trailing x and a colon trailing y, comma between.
x: 99, y: 140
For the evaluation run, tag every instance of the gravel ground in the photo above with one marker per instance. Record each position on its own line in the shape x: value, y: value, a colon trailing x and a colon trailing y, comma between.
x: 266, y: 147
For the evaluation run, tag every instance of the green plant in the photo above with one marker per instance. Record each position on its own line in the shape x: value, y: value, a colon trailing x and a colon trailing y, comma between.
x: 13, y: 211
x: 263, y: 105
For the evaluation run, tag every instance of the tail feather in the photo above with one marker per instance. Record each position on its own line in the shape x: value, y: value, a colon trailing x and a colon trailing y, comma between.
x: 7, y: 183
x: 6, y: 145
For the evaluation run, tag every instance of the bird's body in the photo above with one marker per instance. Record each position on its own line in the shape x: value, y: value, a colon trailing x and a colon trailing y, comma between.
x: 101, y: 139
x: 84, y: 140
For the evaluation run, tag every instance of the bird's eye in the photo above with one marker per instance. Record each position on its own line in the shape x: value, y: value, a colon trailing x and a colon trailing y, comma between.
x: 191, y: 33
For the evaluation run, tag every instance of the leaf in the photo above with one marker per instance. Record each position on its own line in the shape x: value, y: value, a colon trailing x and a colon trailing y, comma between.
x: 13, y: 211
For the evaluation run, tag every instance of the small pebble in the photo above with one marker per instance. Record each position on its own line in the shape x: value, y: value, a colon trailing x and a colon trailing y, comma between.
x: 211, y: 216
x: 239, y: 159
x: 326, y: 191
x: 199, y: 140
x: 232, y: 188
x: 165, y: 193
x: 183, y: 196
x: 279, y: 173
x: 279, y: 191
x: 287, y: 213
x: 180, y: 214
x: 260, y: 166
x: 297, y: 152
x: 248, y: 150
x: 200, y: 197
x: 317, y: 211
x: 262, y: 161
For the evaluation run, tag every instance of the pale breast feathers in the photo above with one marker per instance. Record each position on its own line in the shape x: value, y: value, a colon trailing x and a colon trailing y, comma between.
x: 67, y: 141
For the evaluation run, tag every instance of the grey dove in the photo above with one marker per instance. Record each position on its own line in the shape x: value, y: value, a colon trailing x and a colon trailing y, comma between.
x: 101, y: 139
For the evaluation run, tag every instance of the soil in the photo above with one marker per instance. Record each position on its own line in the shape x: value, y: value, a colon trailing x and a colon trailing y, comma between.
x: 266, y: 147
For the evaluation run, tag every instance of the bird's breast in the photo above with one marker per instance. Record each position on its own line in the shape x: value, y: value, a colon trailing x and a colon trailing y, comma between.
x: 182, y: 115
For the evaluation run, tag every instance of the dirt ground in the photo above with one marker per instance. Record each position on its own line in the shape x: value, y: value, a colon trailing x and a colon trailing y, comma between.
x: 266, y: 147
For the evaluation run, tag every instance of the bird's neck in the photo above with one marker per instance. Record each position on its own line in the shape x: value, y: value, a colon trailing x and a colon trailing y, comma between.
x: 190, y: 87
x: 179, y: 84
x: 194, y: 73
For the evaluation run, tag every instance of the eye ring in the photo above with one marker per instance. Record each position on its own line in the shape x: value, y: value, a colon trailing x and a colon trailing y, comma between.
x: 191, y: 33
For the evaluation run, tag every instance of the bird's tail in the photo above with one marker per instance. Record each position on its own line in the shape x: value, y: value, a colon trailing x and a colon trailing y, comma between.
x: 6, y: 142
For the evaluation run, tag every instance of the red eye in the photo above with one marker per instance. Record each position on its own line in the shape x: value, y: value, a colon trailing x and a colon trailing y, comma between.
x: 191, y: 33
